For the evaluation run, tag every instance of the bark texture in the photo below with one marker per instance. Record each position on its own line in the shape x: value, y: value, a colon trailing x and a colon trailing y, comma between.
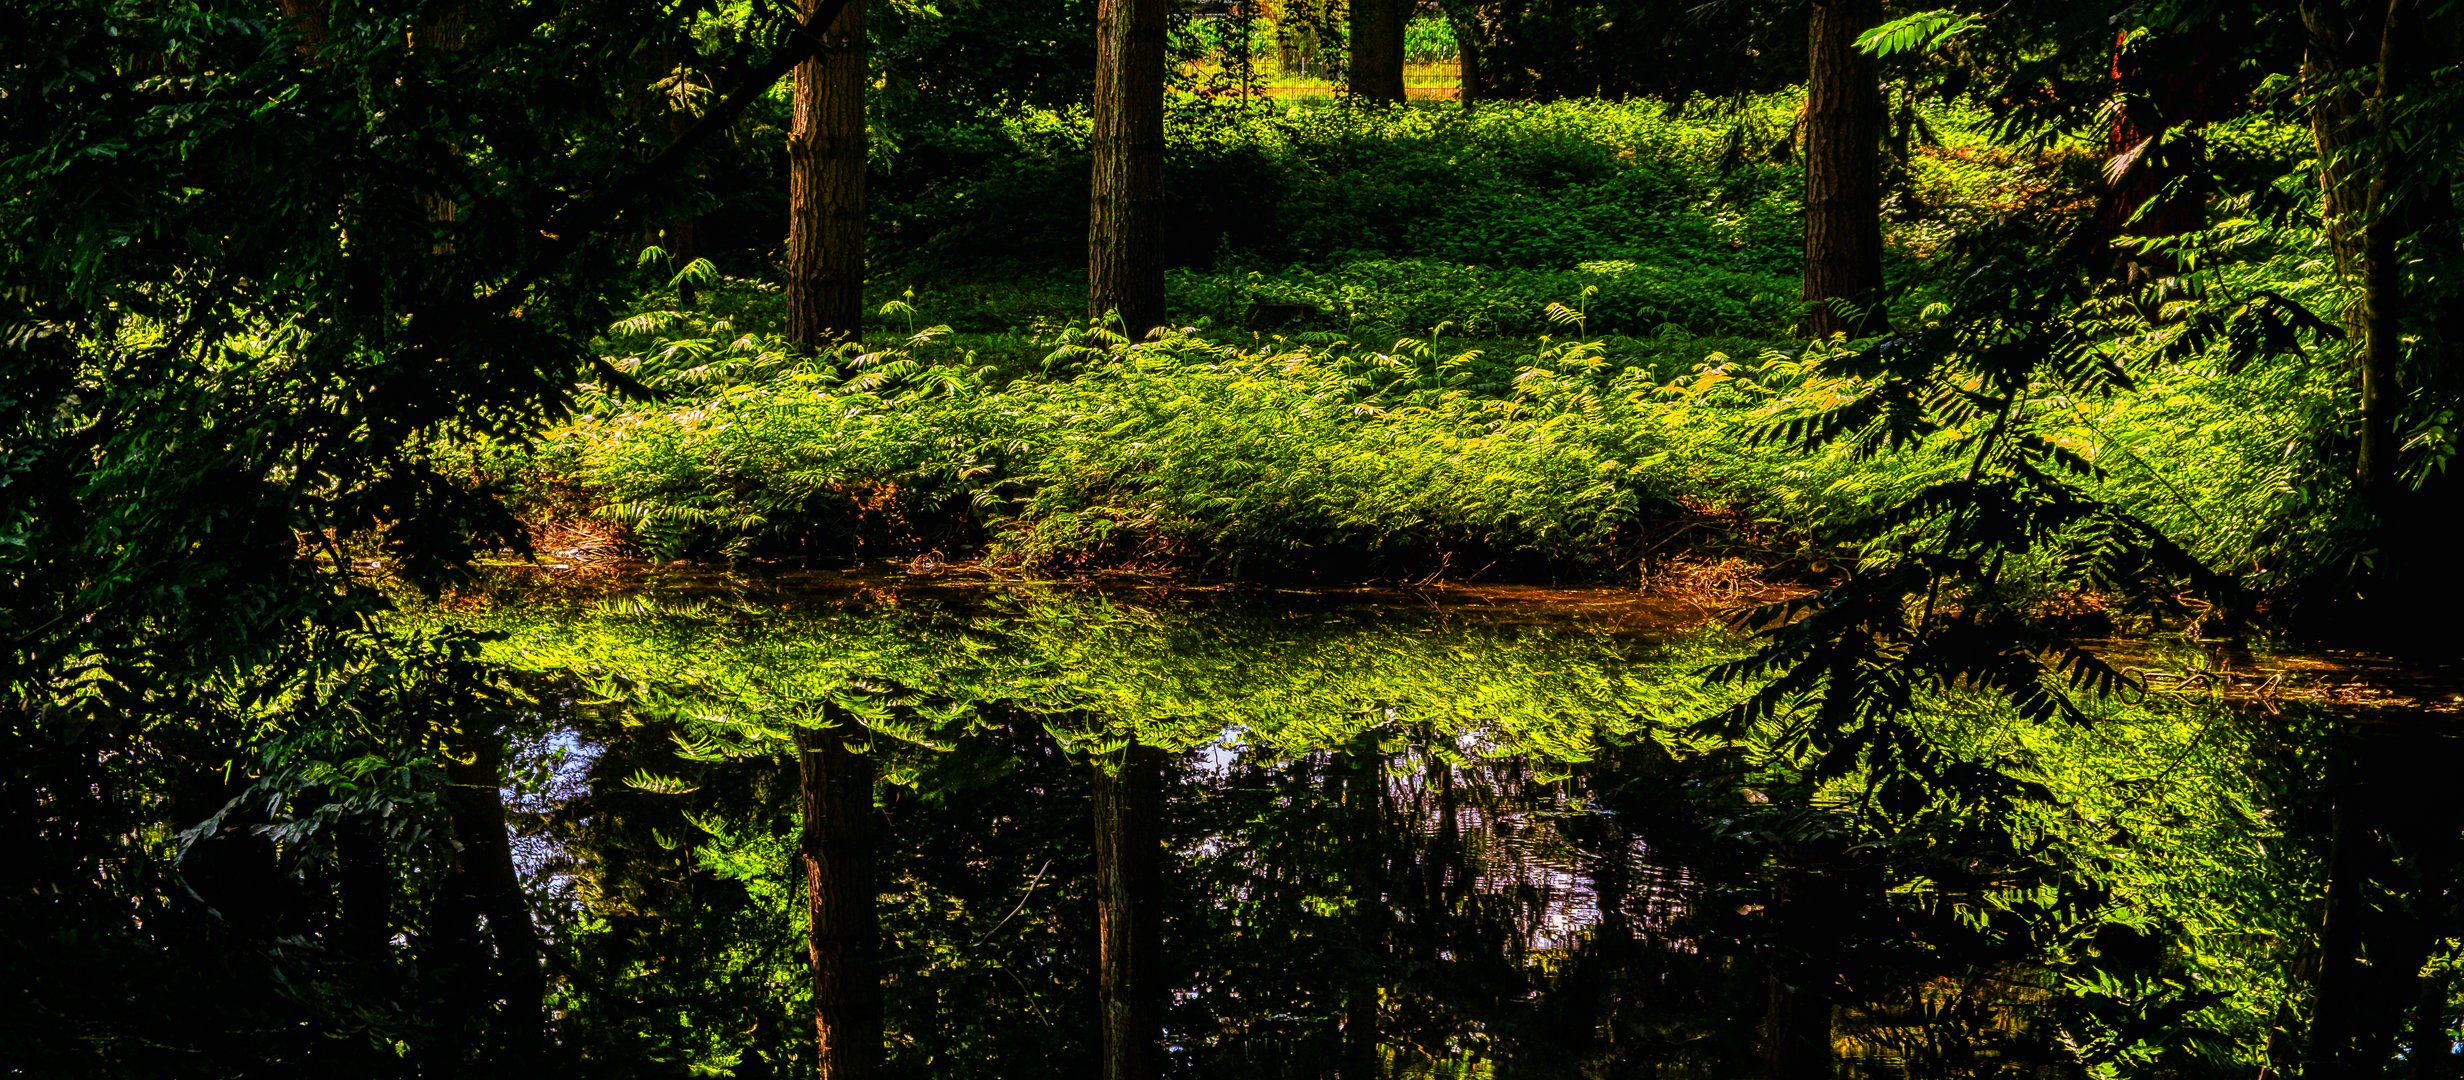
x: 825, y: 186
x: 843, y: 930
x: 1128, y: 868
x: 1844, y: 119
x: 1376, y: 71
x: 1125, y: 259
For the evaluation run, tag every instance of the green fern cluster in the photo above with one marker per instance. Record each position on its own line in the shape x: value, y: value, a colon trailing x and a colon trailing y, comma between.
x: 1182, y: 450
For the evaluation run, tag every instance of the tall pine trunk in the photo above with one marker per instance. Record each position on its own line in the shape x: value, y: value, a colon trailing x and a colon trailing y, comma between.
x: 825, y: 186
x: 1128, y: 869
x: 1376, y: 31
x: 1844, y: 116
x: 842, y: 930
x: 1125, y: 258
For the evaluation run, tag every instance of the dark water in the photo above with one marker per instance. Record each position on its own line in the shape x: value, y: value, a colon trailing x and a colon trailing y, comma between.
x: 1448, y: 834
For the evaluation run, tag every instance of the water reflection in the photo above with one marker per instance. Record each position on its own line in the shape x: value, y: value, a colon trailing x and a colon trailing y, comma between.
x: 1384, y: 837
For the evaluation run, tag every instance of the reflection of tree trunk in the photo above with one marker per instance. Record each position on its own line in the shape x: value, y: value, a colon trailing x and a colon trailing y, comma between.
x: 1364, y: 790
x: 1805, y: 912
x: 2392, y: 864
x: 1604, y: 971
x: 1376, y: 73
x: 842, y: 931
x: 1125, y: 259
x: 1844, y: 114
x: 1128, y: 872
x: 365, y: 887
x: 482, y: 885
x: 2432, y: 1052
x: 825, y: 186
x: 1797, y: 1034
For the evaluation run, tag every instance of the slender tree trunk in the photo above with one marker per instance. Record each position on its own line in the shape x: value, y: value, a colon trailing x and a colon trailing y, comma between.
x: 2364, y: 59
x: 1376, y: 72
x: 825, y: 187
x: 1128, y: 869
x: 842, y: 929
x: 1125, y: 258
x: 677, y: 236
x: 2355, y: 57
x: 1364, y: 797
x: 1844, y: 116
x: 484, y: 884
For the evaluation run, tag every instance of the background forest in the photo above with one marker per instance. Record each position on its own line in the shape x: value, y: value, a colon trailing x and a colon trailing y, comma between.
x: 1983, y: 344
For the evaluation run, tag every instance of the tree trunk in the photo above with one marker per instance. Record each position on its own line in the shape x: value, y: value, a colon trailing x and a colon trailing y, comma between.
x: 1128, y: 869
x: 1375, y: 75
x: 2170, y: 85
x: 2367, y: 57
x: 825, y: 187
x: 309, y: 17
x: 1125, y: 259
x: 2354, y: 55
x: 842, y: 929
x: 1471, y: 52
x: 1844, y: 114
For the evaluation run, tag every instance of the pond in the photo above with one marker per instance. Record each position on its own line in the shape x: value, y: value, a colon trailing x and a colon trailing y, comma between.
x: 1078, y: 831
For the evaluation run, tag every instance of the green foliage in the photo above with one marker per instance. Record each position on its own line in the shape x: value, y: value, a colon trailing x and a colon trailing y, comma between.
x: 1271, y: 457
x: 1920, y: 32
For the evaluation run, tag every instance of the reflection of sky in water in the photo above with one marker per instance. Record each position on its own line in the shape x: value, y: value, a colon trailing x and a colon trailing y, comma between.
x: 547, y: 771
